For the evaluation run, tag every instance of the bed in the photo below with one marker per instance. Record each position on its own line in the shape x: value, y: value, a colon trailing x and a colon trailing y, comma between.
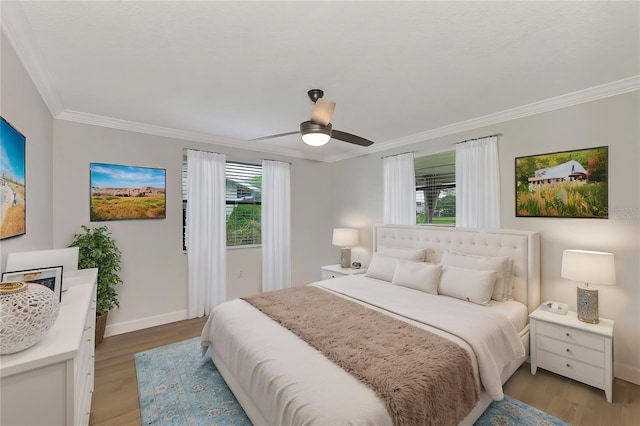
x: 280, y: 379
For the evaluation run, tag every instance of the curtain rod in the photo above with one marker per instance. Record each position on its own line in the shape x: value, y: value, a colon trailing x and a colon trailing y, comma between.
x: 475, y: 139
x: 212, y: 152
x: 395, y: 155
x: 200, y: 150
x: 279, y: 161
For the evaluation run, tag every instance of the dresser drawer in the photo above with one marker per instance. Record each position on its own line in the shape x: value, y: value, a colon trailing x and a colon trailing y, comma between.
x: 569, y: 350
x: 570, y: 335
x: 571, y: 368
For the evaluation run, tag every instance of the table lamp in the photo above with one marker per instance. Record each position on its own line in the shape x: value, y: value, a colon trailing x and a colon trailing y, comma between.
x: 593, y: 267
x: 345, y: 238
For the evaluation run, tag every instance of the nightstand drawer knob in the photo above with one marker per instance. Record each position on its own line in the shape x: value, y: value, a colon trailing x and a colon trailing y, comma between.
x: 568, y: 365
x: 568, y: 350
x: 568, y: 335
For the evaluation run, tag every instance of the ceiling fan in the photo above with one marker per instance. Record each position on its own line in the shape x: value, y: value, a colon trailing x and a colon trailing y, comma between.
x: 317, y: 131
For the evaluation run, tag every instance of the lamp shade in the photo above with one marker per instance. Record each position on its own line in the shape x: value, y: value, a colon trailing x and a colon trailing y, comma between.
x: 345, y: 237
x: 592, y: 267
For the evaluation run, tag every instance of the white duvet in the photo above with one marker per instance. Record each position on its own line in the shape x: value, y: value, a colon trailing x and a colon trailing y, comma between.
x: 290, y: 383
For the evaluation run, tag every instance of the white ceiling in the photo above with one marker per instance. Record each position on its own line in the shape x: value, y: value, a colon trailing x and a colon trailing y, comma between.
x: 400, y: 72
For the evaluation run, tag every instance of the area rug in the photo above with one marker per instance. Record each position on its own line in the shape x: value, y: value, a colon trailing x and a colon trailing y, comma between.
x: 177, y: 386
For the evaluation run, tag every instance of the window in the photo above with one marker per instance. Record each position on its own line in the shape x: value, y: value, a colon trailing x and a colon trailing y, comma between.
x: 436, y: 189
x: 244, y: 203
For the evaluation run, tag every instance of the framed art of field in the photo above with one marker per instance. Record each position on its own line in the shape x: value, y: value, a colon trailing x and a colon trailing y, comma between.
x: 571, y: 184
x: 127, y: 192
x: 13, y: 204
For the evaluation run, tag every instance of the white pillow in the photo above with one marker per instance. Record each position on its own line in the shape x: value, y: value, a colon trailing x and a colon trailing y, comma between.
x: 501, y: 265
x: 381, y: 267
x: 467, y: 284
x: 414, y: 255
x: 433, y: 256
x: 418, y: 276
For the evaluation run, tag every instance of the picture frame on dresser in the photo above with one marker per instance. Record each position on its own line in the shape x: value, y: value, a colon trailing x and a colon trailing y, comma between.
x: 50, y: 277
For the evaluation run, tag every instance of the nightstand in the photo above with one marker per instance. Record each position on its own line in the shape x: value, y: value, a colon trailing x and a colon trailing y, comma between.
x: 333, y: 271
x: 567, y: 346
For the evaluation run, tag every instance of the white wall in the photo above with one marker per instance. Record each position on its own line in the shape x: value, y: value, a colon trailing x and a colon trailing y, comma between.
x: 613, y: 122
x: 154, y: 267
x: 22, y: 106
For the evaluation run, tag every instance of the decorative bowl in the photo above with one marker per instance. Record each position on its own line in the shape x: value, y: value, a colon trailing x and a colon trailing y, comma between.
x: 27, y: 312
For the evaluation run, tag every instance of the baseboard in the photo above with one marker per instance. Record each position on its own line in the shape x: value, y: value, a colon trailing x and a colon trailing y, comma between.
x: 139, y: 324
x: 627, y: 372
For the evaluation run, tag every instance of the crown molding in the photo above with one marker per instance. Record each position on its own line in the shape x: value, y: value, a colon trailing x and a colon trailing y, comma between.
x: 582, y: 96
x: 16, y: 28
x: 133, y: 126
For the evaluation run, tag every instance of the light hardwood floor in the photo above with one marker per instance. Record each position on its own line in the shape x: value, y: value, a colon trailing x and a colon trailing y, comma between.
x: 115, y: 398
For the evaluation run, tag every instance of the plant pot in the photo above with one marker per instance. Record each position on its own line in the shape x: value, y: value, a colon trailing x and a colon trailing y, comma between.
x: 101, y: 326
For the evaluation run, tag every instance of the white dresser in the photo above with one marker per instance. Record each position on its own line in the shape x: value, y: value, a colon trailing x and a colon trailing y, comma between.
x: 51, y: 383
x: 572, y: 348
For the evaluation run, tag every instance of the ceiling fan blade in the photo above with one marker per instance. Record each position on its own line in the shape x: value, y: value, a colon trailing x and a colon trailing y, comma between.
x: 279, y: 135
x: 323, y: 111
x: 348, y: 137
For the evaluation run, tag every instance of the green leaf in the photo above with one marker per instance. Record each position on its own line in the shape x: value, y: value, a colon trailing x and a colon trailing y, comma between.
x: 97, y: 249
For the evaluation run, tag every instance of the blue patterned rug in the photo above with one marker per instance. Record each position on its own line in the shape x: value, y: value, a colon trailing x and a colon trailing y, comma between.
x: 178, y: 387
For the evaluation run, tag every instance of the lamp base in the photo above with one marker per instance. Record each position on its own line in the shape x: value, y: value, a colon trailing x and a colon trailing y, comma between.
x: 345, y: 257
x: 588, y: 305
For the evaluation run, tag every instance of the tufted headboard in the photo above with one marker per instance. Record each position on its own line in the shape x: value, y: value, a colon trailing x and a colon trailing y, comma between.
x: 522, y: 246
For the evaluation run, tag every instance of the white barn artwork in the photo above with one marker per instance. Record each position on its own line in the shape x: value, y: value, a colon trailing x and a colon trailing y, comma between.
x: 569, y: 171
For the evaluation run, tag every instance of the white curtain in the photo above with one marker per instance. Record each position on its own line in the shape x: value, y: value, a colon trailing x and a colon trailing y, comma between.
x: 399, y: 189
x: 207, y: 231
x: 276, y: 225
x: 478, y: 183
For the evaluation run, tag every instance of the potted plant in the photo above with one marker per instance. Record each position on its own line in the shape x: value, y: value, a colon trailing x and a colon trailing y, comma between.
x: 97, y: 249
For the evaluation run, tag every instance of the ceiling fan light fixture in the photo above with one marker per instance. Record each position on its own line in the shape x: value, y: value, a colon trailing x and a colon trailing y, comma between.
x: 315, y: 139
x: 315, y: 134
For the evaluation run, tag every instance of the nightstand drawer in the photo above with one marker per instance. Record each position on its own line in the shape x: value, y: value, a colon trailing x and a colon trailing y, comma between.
x: 571, y: 368
x: 335, y: 271
x: 327, y: 275
x: 571, y: 335
x: 569, y: 350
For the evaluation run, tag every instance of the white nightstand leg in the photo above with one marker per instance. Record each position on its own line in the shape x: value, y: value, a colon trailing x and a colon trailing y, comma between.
x: 533, y: 346
x: 608, y: 370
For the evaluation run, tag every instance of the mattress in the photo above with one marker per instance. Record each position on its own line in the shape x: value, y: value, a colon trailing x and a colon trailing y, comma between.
x: 287, y: 382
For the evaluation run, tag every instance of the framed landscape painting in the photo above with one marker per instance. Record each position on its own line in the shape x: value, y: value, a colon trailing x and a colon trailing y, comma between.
x: 13, y: 204
x: 569, y: 184
x: 127, y: 192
